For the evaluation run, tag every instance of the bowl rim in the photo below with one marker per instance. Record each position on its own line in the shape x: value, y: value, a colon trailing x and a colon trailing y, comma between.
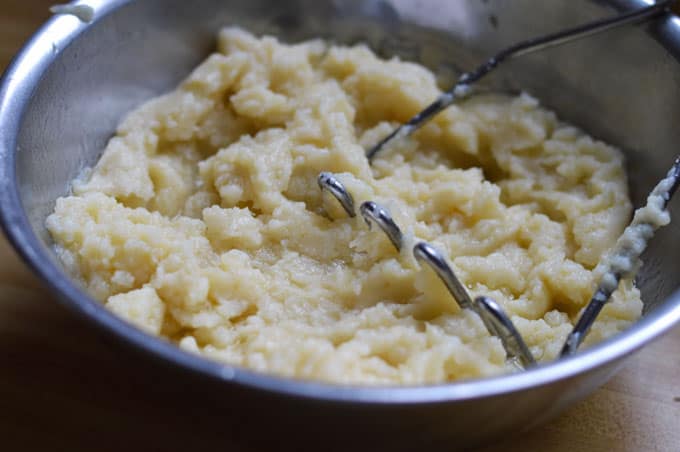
x: 16, y: 88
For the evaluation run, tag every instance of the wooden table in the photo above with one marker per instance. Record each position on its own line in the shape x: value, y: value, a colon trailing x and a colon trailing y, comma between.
x: 65, y: 387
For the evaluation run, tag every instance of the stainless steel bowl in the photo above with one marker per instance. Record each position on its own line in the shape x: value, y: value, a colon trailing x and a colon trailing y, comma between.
x: 63, y: 95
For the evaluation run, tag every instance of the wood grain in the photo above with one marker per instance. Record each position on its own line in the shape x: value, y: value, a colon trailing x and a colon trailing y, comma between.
x: 63, y: 386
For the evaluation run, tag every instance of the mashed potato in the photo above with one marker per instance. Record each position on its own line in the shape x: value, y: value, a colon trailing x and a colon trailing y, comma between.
x: 203, y: 221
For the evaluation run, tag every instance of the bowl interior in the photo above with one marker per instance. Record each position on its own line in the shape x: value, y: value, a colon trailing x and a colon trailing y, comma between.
x: 622, y: 87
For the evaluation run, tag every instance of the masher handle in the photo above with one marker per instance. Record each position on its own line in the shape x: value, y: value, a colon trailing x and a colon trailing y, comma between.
x: 462, y: 88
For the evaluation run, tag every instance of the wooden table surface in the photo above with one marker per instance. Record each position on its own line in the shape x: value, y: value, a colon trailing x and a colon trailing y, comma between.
x: 65, y: 387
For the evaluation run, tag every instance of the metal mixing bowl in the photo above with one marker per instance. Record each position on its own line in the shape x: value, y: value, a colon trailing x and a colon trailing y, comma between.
x: 66, y: 91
